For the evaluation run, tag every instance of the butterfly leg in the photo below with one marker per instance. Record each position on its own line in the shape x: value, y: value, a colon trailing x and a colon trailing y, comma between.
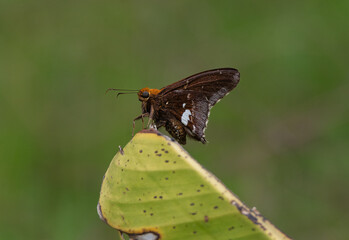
x: 150, y: 116
x: 137, y: 118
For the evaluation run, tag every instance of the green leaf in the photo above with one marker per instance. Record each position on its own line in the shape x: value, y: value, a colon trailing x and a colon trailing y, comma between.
x: 153, y: 189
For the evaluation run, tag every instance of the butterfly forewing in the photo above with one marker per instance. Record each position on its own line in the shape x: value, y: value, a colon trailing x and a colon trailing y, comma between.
x: 191, y: 99
x: 207, y: 81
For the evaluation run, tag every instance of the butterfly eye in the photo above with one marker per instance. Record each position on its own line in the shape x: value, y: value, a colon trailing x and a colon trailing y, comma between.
x: 145, y: 94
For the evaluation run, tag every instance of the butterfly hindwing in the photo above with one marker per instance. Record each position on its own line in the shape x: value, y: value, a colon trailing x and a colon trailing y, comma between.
x: 193, y: 114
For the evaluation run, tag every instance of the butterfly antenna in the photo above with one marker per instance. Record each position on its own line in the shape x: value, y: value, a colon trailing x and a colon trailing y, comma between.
x: 121, y: 90
x: 120, y: 93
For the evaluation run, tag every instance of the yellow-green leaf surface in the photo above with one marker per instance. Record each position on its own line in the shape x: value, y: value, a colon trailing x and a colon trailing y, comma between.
x: 153, y: 189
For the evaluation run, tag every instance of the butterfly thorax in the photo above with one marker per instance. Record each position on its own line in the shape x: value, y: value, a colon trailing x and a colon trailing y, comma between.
x: 154, y: 106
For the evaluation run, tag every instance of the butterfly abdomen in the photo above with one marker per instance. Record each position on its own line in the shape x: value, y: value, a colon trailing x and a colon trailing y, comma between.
x: 176, y: 129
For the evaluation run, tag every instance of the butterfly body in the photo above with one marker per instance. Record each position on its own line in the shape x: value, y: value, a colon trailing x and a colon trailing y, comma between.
x: 183, y: 107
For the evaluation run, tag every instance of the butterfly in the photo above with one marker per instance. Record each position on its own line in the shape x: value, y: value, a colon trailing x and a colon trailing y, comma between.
x: 183, y: 107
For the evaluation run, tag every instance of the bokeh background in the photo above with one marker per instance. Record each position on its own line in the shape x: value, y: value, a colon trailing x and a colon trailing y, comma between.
x: 280, y: 140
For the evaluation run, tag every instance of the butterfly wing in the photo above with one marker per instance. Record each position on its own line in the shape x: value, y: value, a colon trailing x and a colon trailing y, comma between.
x: 190, y: 100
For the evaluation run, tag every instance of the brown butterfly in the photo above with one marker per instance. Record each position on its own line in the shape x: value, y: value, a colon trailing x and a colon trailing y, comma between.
x: 184, y: 106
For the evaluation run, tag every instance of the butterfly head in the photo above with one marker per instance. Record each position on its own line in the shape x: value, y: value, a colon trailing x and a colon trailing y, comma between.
x: 145, y: 93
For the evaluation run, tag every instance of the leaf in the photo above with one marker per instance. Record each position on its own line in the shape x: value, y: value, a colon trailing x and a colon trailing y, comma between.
x: 153, y: 189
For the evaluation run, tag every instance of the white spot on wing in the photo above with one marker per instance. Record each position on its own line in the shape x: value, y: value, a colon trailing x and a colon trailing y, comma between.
x: 185, y: 117
x: 183, y: 105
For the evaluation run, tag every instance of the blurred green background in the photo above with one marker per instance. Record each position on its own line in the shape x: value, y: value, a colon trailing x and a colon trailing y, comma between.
x: 279, y: 140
